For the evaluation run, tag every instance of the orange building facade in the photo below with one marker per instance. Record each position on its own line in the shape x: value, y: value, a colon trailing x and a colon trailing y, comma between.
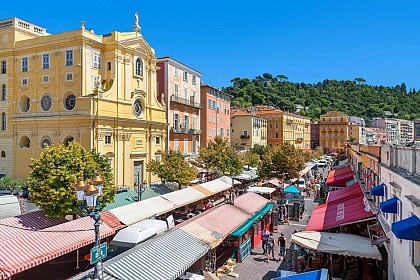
x: 333, y: 131
x: 179, y: 88
x: 215, y: 119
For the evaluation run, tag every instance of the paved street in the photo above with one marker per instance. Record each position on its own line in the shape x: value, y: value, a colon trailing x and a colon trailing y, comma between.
x: 255, y: 266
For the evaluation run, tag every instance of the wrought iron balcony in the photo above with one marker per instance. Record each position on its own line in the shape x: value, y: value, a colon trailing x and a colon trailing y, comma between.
x: 185, y: 130
x: 184, y: 101
x: 244, y: 136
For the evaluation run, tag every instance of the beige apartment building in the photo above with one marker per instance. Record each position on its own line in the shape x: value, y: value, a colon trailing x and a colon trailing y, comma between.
x: 333, y: 131
x: 99, y: 90
x: 286, y: 127
x: 247, y: 129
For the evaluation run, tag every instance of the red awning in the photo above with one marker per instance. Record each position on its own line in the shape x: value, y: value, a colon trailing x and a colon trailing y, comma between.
x: 344, y: 210
x: 340, y: 180
x: 250, y: 202
x: 32, y: 249
x: 339, y: 171
x: 344, y: 193
x: 24, y: 224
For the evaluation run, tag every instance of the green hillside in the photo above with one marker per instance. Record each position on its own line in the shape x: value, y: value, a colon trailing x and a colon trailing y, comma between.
x: 355, y: 98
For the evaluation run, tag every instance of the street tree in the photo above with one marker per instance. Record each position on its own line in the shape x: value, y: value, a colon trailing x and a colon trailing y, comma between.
x: 282, y: 162
x: 220, y: 156
x: 55, y: 173
x: 173, y: 168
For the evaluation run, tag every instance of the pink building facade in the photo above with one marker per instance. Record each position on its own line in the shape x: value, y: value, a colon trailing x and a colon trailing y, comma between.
x: 215, y: 114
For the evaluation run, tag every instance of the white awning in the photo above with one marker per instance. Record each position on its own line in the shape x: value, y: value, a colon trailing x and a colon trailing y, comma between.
x: 243, y: 177
x: 337, y: 243
x: 228, y: 180
x: 145, y: 209
x: 216, y: 186
x: 184, y: 196
x: 261, y: 190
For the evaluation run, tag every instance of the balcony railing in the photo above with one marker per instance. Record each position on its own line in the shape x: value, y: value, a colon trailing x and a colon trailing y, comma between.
x: 184, y: 101
x: 244, y: 136
x: 185, y: 130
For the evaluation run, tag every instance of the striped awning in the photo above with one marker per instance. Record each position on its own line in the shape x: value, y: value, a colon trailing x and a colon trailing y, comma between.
x: 24, y: 224
x: 180, y: 251
x: 32, y: 249
x: 216, y: 186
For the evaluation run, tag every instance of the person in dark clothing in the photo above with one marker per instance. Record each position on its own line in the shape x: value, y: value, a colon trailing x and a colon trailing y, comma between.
x: 281, y: 242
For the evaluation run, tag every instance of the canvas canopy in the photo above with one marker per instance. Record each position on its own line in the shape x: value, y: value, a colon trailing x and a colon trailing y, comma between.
x: 337, y: 243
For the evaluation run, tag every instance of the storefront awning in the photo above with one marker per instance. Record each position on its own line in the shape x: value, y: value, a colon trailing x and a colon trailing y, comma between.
x: 32, y: 249
x: 408, y: 229
x: 345, y: 211
x: 250, y: 222
x: 379, y: 190
x: 250, y: 202
x: 264, y: 190
x: 164, y: 258
x: 321, y: 274
x: 291, y: 189
x: 344, y: 193
x: 339, y: 171
x: 337, y: 243
x: 339, y: 180
x: 389, y: 206
x: 184, y: 196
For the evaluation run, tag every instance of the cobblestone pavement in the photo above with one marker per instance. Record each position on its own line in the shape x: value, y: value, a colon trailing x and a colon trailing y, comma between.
x: 255, y: 266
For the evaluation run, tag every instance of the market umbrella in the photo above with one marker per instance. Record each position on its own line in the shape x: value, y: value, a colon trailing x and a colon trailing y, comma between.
x: 337, y: 243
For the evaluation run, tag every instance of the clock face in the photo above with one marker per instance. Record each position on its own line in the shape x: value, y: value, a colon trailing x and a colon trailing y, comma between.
x: 137, y: 108
x: 46, y: 102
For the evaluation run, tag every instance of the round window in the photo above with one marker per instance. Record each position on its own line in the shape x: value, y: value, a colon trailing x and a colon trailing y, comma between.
x: 70, y: 102
x: 137, y: 108
x: 45, y: 142
x: 46, y: 102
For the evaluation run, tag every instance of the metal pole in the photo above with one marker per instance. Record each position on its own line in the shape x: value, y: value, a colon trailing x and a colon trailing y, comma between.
x: 77, y: 259
x: 97, y: 218
x: 138, y: 187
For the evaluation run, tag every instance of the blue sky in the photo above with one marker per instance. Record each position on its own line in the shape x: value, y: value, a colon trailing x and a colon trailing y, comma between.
x: 307, y: 41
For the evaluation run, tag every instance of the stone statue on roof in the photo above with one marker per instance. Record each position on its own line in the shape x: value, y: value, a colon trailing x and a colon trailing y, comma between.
x: 136, y: 27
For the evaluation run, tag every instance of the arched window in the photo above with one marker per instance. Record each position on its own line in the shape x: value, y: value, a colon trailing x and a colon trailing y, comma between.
x: 139, y: 67
x: 3, y: 154
x: 3, y: 121
x: 3, y: 92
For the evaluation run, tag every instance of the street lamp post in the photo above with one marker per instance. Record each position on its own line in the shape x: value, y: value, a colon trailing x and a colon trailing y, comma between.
x: 90, y: 194
x: 140, y: 188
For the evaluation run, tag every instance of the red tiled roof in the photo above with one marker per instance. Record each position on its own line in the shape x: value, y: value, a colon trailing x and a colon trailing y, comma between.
x: 111, y: 220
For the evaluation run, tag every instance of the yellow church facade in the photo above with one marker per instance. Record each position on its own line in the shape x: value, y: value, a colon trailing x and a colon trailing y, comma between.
x: 79, y: 86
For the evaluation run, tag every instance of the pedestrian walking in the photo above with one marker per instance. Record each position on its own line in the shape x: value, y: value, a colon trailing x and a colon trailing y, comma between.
x: 264, y: 237
x: 270, y: 247
x: 281, y: 242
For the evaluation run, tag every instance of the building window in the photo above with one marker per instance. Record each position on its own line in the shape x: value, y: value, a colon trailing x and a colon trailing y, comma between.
x: 69, y: 76
x: 157, y: 140
x: 185, y: 77
x: 3, y: 121
x: 271, y: 125
x: 193, y: 79
x: 3, y: 92
x: 25, y: 64
x: 176, y: 91
x: 176, y: 145
x: 3, y: 154
x: 222, y: 132
x: 67, y: 140
x: 45, y: 79
x: 69, y: 58
x: 210, y: 103
x: 139, y: 67
x: 108, y: 139
x: 277, y: 135
x: 24, y: 104
x: 277, y: 125
x: 185, y: 146
x: 25, y: 142
x: 228, y: 132
x: 45, y: 61
x: 108, y: 66
x: 96, y: 60
x: 46, y: 102
x: 70, y: 102
x: 137, y: 108
x: 3, y: 67
x: 46, y: 141
x: 210, y: 131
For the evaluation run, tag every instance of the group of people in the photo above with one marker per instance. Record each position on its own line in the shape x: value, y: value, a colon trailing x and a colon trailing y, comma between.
x: 269, y: 243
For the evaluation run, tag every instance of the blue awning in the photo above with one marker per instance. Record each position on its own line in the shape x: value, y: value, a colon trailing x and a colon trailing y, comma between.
x: 389, y: 206
x: 291, y: 189
x: 379, y: 190
x: 351, y: 182
x: 408, y: 229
